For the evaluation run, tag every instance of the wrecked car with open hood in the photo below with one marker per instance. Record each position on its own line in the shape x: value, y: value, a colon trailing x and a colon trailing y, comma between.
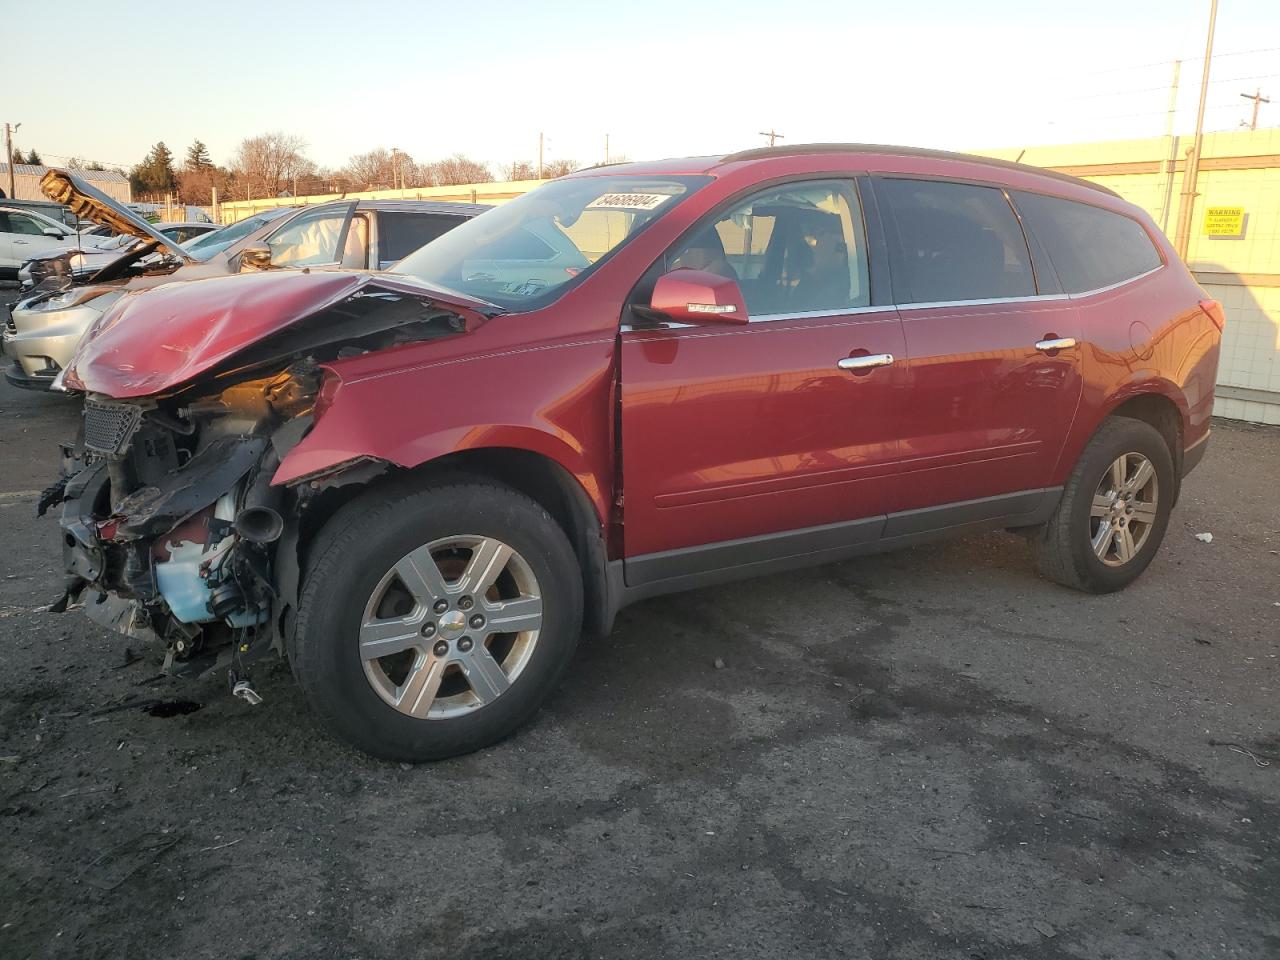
x: 423, y: 486
x: 45, y: 326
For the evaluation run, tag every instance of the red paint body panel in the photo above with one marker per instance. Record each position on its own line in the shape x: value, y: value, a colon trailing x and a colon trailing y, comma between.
x: 727, y: 431
x: 738, y: 432
x: 985, y: 413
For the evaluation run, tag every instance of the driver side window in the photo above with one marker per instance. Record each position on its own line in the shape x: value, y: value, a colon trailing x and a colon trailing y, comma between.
x: 310, y: 239
x: 797, y: 248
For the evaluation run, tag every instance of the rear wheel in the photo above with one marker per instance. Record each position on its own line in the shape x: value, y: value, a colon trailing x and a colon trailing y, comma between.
x: 435, y: 623
x: 1114, y: 510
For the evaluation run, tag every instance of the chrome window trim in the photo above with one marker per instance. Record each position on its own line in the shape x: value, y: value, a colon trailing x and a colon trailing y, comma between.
x: 1117, y: 284
x: 1037, y: 298
x: 771, y: 317
x: 819, y: 314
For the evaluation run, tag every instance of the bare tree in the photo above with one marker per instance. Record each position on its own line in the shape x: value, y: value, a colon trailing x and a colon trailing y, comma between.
x: 524, y: 170
x: 455, y: 170
x: 381, y: 169
x: 520, y: 170
x: 267, y: 164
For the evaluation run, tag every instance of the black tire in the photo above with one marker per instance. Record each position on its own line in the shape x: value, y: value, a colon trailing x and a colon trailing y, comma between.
x: 1062, y: 547
x: 347, y: 561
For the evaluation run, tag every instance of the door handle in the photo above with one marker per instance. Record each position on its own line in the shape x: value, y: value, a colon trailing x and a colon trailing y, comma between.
x: 23, y: 242
x: 1060, y: 343
x: 868, y: 362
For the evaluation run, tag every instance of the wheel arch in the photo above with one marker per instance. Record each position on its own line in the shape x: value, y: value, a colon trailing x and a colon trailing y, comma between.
x: 1156, y: 402
x: 535, y: 474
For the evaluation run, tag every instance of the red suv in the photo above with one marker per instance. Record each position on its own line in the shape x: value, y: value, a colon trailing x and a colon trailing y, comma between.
x: 423, y: 486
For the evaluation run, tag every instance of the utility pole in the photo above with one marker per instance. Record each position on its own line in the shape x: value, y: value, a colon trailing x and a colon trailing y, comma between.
x: 1170, y: 163
x: 8, y: 139
x: 606, y: 148
x: 539, y: 156
x: 773, y: 135
x: 1186, y: 208
x: 1258, y: 99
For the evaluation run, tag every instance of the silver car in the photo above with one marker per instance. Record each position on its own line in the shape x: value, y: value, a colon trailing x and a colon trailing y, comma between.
x: 43, y: 330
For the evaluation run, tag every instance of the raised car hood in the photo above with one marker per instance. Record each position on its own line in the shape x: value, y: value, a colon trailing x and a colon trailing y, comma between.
x: 90, y: 203
x: 153, y: 341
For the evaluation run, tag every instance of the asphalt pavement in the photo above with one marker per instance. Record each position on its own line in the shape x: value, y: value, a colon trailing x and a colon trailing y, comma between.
x: 926, y: 754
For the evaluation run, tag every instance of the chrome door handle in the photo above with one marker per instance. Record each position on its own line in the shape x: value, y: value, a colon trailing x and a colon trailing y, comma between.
x: 869, y: 362
x: 1062, y: 343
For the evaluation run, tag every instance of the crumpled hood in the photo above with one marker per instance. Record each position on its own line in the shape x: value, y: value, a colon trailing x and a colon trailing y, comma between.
x: 152, y: 341
x: 90, y: 203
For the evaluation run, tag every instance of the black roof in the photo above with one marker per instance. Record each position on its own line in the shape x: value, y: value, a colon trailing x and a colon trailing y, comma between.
x: 795, y: 149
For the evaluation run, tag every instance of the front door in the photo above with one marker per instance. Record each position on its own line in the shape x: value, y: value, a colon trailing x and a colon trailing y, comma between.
x: 758, y: 431
x: 993, y: 370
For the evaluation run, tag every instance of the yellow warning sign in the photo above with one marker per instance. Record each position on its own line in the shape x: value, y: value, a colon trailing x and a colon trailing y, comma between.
x: 1224, y: 221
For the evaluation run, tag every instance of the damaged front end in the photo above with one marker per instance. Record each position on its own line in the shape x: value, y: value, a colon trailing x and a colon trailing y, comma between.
x: 172, y: 529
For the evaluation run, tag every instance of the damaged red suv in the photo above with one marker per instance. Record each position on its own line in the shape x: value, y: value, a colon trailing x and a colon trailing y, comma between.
x: 423, y: 486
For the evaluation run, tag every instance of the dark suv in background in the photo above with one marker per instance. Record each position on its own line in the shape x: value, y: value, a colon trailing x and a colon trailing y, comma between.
x: 423, y: 485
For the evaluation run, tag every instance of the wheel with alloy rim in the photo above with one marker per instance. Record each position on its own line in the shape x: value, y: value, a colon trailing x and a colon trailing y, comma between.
x: 1113, y: 512
x: 450, y: 627
x: 436, y: 622
x: 1124, y: 510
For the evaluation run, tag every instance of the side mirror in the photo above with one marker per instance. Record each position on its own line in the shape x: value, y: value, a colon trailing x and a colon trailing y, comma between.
x: 696, y: 296
x: 255, y: 258
x: 54, y: 232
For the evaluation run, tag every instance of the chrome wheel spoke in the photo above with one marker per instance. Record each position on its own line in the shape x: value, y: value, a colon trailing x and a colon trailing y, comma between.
x: 1102, y: 540
x: 485, y: 675
x: 1143, y: 512
x: 1117, y: 473
x: 1101, y: 505
x: 514, y: 616
x: 419, y: 689
x: 1141, y: 476
x: 488, y: 559
x: 421, y: 576
x: 382, y: 638
x: 1125, y: 548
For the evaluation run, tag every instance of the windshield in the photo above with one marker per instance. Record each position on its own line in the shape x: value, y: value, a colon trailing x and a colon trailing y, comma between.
x: 203, y: 248
x: 524, y: 254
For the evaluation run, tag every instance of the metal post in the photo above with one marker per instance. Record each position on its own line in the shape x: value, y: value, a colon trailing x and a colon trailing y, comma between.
x: 1170, y: 162
x: 1186, y: 208
x: 539, y: 156
x: 8, y: 139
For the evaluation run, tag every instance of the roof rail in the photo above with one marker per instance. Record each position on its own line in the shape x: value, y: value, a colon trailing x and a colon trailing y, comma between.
x: 761, y: 153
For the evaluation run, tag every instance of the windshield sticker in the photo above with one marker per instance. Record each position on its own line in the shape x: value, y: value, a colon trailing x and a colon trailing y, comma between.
x: 629, y: 201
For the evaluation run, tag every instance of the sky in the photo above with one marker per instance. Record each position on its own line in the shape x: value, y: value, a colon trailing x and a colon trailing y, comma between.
x: 659, y: 78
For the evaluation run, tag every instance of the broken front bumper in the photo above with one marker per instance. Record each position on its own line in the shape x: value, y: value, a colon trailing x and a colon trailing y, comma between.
x: 162, y: 563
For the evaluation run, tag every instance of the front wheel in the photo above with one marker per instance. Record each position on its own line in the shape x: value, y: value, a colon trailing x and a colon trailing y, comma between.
x: 436, y: 622
x: 1114, y: 510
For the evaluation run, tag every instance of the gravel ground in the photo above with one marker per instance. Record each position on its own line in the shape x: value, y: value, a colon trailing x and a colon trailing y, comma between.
x: 927, y: 754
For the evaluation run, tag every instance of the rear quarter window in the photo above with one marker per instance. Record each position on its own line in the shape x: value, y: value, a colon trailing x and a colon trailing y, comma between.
x: 1089, y: 247
x: 399, y: 234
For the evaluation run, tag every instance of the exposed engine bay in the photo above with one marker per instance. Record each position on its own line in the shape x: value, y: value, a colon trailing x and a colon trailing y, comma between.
x: 172, y: 530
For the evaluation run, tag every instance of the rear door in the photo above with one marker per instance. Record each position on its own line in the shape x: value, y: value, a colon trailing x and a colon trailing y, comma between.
x: 993, y: 374
x: 745, y: 443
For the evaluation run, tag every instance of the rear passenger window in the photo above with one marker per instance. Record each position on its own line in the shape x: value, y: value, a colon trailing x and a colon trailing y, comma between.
x: 956, y: 242
x: 399, y: 234
x: 1089, y: 247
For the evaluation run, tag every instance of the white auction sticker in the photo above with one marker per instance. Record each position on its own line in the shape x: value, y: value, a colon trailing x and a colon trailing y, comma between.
x: 629, y: 201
